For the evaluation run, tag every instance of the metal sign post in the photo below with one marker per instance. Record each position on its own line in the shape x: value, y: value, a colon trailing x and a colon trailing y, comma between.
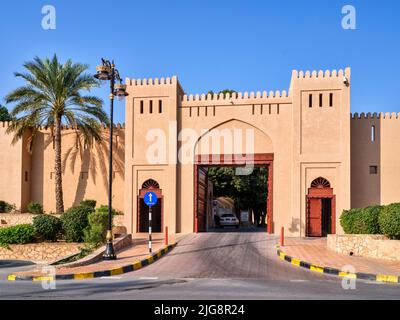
x: 150, y: 199
x: 150, y: 231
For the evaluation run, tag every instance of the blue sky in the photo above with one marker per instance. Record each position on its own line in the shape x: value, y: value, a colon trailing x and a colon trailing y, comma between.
x: 212, y: 45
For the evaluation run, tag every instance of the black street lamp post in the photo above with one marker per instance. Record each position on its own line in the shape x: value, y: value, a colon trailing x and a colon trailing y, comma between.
x: 106, y: 71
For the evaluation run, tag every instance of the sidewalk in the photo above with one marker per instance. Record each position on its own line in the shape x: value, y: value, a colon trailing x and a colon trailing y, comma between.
x: 315, y: 251
x: 132, y: 255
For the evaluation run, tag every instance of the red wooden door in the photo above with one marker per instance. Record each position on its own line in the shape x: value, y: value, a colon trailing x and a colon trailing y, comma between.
x: 202, y: 199
x: 315, y: 217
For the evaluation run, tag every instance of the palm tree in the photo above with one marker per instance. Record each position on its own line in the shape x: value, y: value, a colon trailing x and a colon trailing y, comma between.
x: 52, y: 97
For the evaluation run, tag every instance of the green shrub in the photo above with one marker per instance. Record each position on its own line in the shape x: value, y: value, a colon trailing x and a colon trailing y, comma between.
x: 99, y: 217
x: 104, y: 208
x: 6, y: 207
x: 348, y: 220
x: 389, y: 221
x: 19, y: 234
x: 74, y: 221
x: 369, y: 223
x: 89, y: 203
x: 35, y: 208
x: 361, y: 221
x: 47, y: 227
x: 95, y: 233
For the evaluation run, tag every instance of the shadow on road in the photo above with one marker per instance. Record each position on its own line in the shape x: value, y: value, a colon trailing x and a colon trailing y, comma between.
x: 14, y: 263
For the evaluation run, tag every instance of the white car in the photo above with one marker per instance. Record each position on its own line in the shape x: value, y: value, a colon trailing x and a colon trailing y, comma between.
x: 229, y: 220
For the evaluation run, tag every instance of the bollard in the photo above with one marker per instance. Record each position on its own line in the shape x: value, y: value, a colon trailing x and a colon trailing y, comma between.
x: 166, y: 236
x: 283, y: 236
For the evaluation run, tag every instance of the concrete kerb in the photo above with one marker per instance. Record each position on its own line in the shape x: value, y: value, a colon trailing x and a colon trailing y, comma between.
x: 336, y: 272
x: 97, y: 274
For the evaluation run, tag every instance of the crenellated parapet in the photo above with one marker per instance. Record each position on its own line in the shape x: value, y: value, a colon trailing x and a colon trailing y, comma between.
x: 327, y: 74
x: 152, y: 82
x: 375, y: 115
x: 236, y: 98
x: 5, y: 124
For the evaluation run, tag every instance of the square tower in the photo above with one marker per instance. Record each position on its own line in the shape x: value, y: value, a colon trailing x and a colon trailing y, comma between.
x: 321, y: 142
x: 151, y: 150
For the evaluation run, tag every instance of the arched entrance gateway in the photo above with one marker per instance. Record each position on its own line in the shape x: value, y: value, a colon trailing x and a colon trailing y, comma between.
x: 236, y: 144
x: 143, y: 209
x: 320, y: 209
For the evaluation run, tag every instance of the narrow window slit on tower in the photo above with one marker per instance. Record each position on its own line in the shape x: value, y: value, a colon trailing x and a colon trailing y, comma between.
x: 373, y: 170
x: 331, y: 99
x: 141, y: 106
x: 26, y: 176
x: 373, y: 133
x: 277, y: 108
x: 320, y: 99
x: 159, y: 106
x: 151, y: 106
x: 310, y: 100
x: 252, y: 110
x: 116, y: 141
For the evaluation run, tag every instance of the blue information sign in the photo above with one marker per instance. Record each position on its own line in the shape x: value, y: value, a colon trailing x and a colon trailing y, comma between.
x: 150, y: 198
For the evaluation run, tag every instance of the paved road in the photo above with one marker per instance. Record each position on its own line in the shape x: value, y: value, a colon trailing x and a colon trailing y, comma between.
x: 226, y: 255
x: 220, y: 265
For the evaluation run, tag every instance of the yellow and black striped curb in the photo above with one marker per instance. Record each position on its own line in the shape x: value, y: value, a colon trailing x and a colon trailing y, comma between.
x: 97, y: 274
x: 337, y: 272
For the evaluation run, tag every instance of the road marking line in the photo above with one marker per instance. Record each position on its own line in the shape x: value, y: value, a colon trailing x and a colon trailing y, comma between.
x: 148, y: 278
x: 111, y: 278
x: 375, y: 282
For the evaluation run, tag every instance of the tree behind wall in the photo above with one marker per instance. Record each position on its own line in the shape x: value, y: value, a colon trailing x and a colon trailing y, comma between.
x: 52, y: 96
x: 249, y: 192
x: 4, y: 114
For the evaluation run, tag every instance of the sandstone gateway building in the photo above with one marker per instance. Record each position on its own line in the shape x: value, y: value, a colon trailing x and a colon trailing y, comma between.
x: 320, y: 158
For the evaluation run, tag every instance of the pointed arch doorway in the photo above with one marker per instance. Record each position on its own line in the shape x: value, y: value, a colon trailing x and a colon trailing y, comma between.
x: 320, y: 211
x: 143, y: 209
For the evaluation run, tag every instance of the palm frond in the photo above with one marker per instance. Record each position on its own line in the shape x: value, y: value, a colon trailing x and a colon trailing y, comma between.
x: 54, y: 91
